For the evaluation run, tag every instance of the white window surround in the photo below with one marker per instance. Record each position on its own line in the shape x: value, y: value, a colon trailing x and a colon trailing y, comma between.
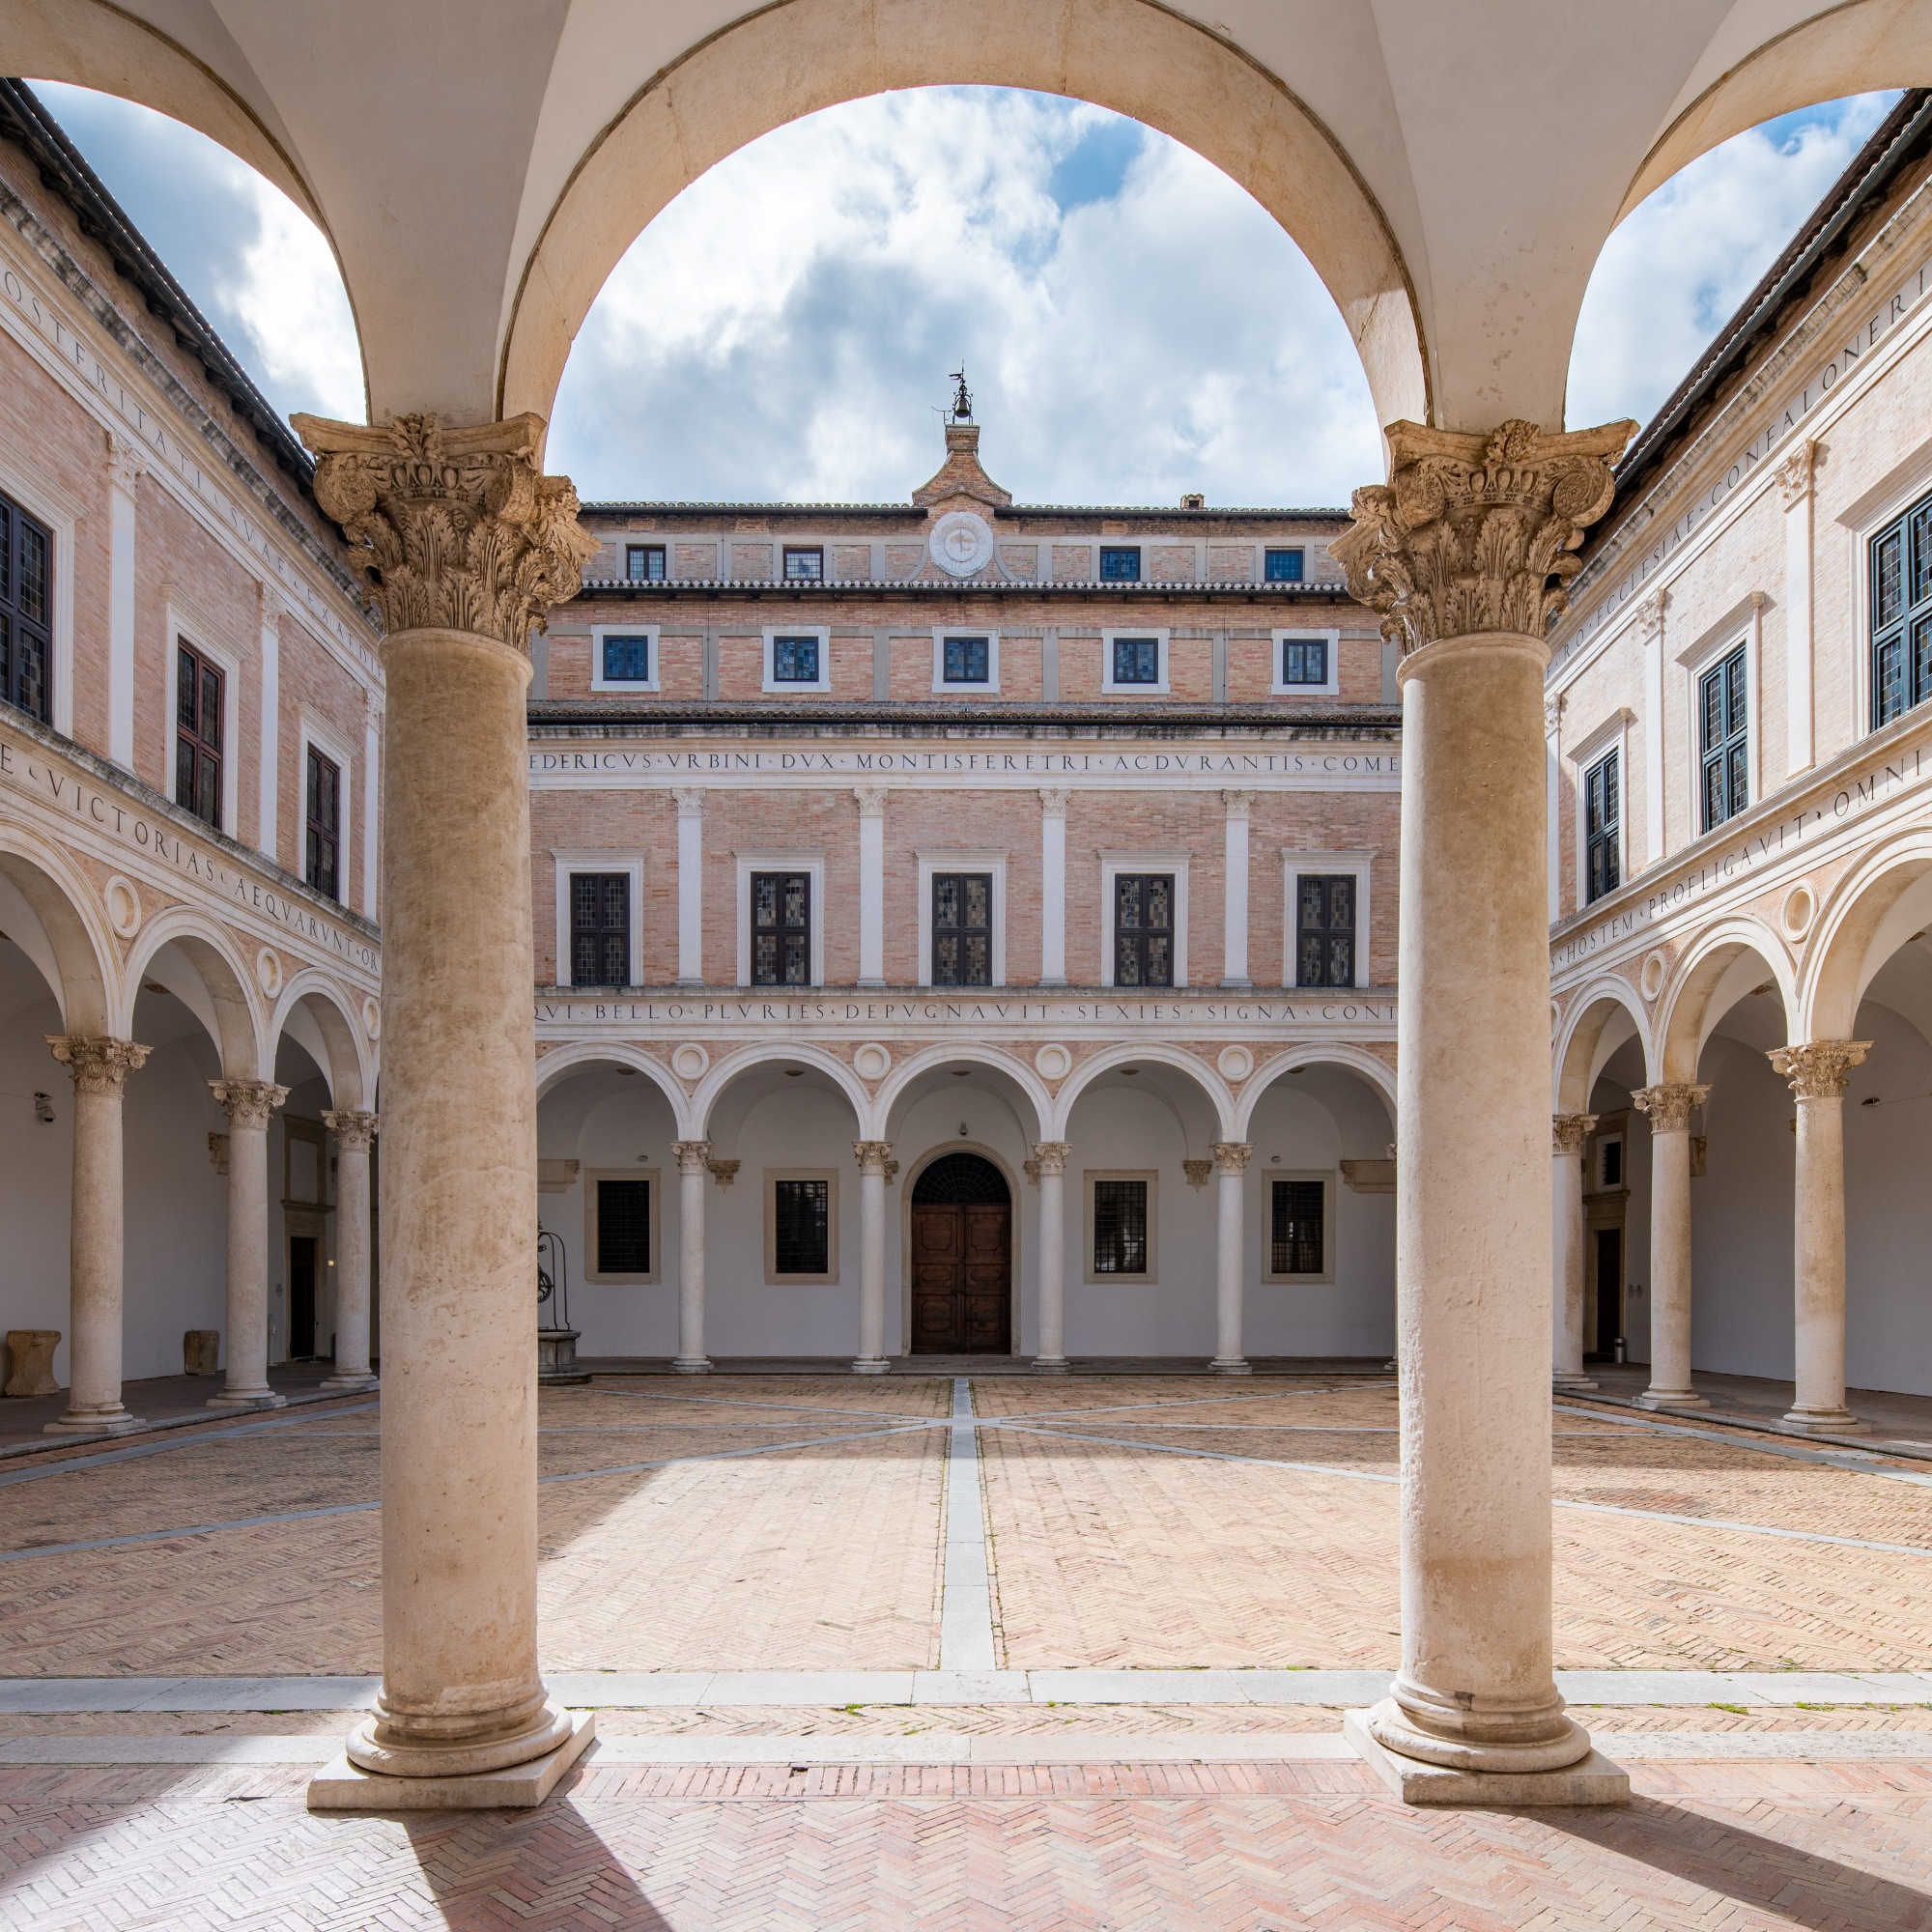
x: 187, y: 626
x: 1327, y: 1177
x: 599, y: 632
x: 1112, y: 864
x: 940, y: 633
x: 45, y: 502
x: 1294, y: 861
x: 930, y: 862
x: 334, y: 746
x: 1332, y: 688
x: 570, y: 863
x: 1158, y: 689
x: 822, y: 632
x: 1862, y: 520
x: 1151, y: 1176
x: 773, y: 1176
x: 1613, y: 735
x: 781, y: 861
x: 591, y: 1177
x: 1744, y: 626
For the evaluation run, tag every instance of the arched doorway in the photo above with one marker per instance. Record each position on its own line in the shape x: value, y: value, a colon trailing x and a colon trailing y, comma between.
x: 963, y: 1259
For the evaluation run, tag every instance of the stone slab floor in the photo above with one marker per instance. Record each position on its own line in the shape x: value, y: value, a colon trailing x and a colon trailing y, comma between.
x: 798, y: 1524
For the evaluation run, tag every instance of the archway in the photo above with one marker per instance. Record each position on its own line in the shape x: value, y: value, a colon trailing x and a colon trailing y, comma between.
x: 962, y: 1273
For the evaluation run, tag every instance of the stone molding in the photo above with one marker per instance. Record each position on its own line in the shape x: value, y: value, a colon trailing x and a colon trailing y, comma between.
x: 1796, y: 472
x: 1231, y: 1156
x: 1053, y: 800
x: 1052, y: 1155
x: 249, y: 1103
x: 1569, y: 1131
x: 690, y: 801
x: 1817, y: 1069
x: 872, y: 801
x: 1196, y: 1171
x: 724, y: 1172
x: 97, y: 1063
x: 455, y: 528
x: 692, y: 1156
x: 126, y: 464
x: 1650, y: 616
x: 1670, y: 1105
x: 1238, y: 804
x: 352, y: 1127
x: 873, y: 1156
x: 1476, y: 533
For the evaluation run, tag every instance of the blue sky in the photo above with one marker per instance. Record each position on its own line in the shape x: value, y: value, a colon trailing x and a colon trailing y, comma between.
x: 1133, y: 325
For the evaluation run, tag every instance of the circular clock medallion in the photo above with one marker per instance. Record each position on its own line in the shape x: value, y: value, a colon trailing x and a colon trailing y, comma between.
x: 962, y: 543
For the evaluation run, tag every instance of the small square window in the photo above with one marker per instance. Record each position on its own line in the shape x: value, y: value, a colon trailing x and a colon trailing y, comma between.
x: 1137, y: 661
x: 1282, y: 566
x: 1120, y: 563
x: 1304, y: 661
x: 795, y: 661
x: 644, y: 564
x: 803, y: 564
x: 627, y: 660
x: 967, y: 660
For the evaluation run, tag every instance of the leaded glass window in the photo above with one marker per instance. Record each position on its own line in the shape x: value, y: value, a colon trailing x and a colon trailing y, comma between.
x: 1304, y: 661
x: 1136, y: 660
x: 795, y: 661
x: 26, y: 612
x: 1120, y: 563
x: 600, y: 928
x: 644, y: 564
x: 1282, y: 566
x: 1602, y: 827
x: 1901, y: 614
x: 803, y: 564
x: 1144, y: 928
x: 962, y: 928
x: 1724, y: 739
x: 966, y: 660
x: 1324, y: 929
x: 780, y: 928
x: 627, y: 660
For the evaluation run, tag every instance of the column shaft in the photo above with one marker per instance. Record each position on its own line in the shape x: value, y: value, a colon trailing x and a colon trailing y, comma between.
x: 353, y: 1132
x: 1566, y: 1174
x: 1231, y: 1158
x: 873, y: 1156
x: 1670, y: 1109
x: 1051, y: 1356
x: 248, y: 1105
x: 693, y: 1157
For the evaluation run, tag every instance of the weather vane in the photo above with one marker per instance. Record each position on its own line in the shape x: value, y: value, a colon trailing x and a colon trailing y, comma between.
x: 962, y: 398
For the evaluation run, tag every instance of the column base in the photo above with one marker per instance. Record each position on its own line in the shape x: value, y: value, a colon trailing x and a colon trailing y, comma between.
x: 117, y: 1423
x: 1826, y: 1421
x: 342, y: 1786
x: 1050, y: 1365
x: 1572, y: 1384
x: 690, y: 1365
x: 1655, y: 1397
x: 1230, y: 1365
x: 1592, y: 1780
x: 871, y: 1365
x: 352, y: 1384
x: 241, y: 1399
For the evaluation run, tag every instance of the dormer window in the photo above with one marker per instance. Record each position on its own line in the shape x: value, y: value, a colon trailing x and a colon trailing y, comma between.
x: 804, y: 564
x: 1120, y: 563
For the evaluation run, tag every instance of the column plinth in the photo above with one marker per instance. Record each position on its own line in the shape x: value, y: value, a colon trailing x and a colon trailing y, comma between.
x: 249, y: 1106
x: 1050, y: 1359
x: 1668, y: 1107
x: 354, y: 1131
x: 693, y: 1165
x: 1231, y: 1164
x: 873, y: 1157
x: 1568, y: 1133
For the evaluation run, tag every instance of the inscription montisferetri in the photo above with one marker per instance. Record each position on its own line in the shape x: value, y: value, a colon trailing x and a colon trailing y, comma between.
x: 1378, y: 769
x: 1372, y: 1010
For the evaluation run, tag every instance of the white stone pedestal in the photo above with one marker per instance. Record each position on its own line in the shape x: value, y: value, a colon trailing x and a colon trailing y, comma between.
x: 341, y: 1786
x: 1592, y: 1780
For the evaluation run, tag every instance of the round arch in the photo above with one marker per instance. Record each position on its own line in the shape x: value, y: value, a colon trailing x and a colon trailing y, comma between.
x: 1879, y: 904
x: 560, y: 1062
x: 1691, y: 1006
x: 934, y: 1059
x: 1212, y: 1088
x: 766, y: 1053
x: 240, y: 1029
x: 794, y: 57
x: 68, y: 913
x: 1580, y: 1052
x: 351, y: 1073
x: 1378, y: 1073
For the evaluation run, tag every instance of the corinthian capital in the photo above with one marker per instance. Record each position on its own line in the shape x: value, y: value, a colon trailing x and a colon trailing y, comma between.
x: 873, y: 1156
x: 692, y: 1156
x: 1052, y: 1155
x: 455, y: 528
x: 249, y: 1103
x: 1231, y: 1156
x: 99, y: 1064
x: 1569, y: 1131
x: 351, y: 1126
x: 1669, y: 1106
x: 1817, y: 1069
x: 1475, y: 533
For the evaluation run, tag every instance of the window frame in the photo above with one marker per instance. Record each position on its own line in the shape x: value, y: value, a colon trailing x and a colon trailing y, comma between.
x: 650, y: 633
x: 1899, y: 520
x: 786, y: 551
x: 43, y: 626
x: 1612, y: 734
x: 181, y: 639
x: 566, y: 865
x: 314, y: 832
x: 317, y: 733
x: 59, y: 513
x: 940, y: 633
x: 934, y: 861
x: 1102, y: 550
x: 932, y: 879
x: 1329, y: 1231
x: 1613, y: 836
x: 1294, y: 861
x: 1285, y: 550
x: 1115, y: 1278
x: 772, y: 1177
x: 645, y: 551
x: 591, y: 1178
x: 1159, y: 687
x: 790, y: 688
x: 781, y: 861
x: 1354, y: 930
x: 1330, y: 686
x: 1717, y: 665
x: 1112, y: 864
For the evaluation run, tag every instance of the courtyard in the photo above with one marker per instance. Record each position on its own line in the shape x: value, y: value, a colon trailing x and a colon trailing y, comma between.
x: 961, y: 1652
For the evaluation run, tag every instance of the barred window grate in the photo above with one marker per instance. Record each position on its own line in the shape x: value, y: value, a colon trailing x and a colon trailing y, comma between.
x: 800, y: 1227
x: 623, y: 1227
x: 1296, y: 1227
x: 1120, y: 1227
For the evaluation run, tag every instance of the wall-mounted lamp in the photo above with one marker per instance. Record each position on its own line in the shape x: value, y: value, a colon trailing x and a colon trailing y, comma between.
x: 44, y: 1110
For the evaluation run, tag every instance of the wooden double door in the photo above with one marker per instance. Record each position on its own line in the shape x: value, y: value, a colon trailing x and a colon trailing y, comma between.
x: 962, y: 1281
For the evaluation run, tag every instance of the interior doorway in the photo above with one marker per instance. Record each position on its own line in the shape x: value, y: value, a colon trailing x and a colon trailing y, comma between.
x: 962, y: 1270
x: 302, y: 1297
x: 1608, y: 1327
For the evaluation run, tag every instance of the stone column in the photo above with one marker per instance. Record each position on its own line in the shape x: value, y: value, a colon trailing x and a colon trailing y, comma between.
x: 1669, y: 1110
x: 1051, y: 1155
x: 1568, y: 1133
x: 1231, y: 1163
x: 249, y: 1104
x: 354, y: 1133
x: 465, y: 546
x: 873, y: 1158
x: 1458, y: 551
x: 693, y: 1165
x: 1816, y: 1071
x: 1235, y: 939
x: 871, y: 884
x: 1053, y: 888
x: 690, y: 886
x: 100, y: 1067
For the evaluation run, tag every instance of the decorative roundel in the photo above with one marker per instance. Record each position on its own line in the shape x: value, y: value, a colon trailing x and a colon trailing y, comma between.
x: 372, y: 1018
x: 1801, y: 908
x: 1652, y: 978
x: 872, y: 1061
x: 1053, y: 1061
x: 690, y: 1060
x: 123, y: 907
x: 1236, y: 1063
x: 268, y: 970
x: 962, y: 543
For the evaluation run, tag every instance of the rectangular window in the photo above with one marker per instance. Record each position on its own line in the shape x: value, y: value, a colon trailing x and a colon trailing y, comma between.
x: 1611, y: 1163
x: 26, y: 613
x: 966, y: 661
x: 780, y: 928
x: 623, y: 1227
x: 1121, y: 1227
x: 1304, y: 661
x: 198, y: 736
x: 1120, y: 563
x: 1603, y: 826
x: 644, y: 564
x: 323, y: 856
x: 1324, y: 929
x: 795, y: 661
x: 1143, y: 929
x: 600, y: 928
x: 627, y: 660
x: 1295, y: 1227
x: 800, y: 1227
x: 1136, y: 661
x: 1282, y: 566
x: 803, y: 564
x: 1901, y: 614
x: 1725, y: 740
x: 962, y: 928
